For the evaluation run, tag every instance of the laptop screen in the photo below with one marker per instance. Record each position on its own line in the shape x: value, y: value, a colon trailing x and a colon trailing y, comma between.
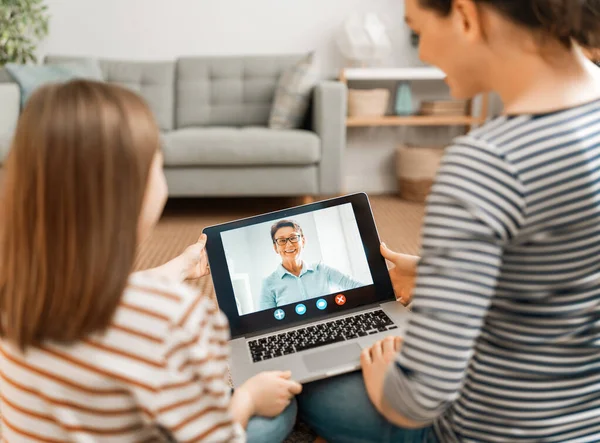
x: 297, y: 265
x: 296, y: 261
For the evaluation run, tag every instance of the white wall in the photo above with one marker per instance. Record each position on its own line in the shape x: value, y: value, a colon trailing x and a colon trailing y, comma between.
x: 166, y: 29
x: 341, y: 244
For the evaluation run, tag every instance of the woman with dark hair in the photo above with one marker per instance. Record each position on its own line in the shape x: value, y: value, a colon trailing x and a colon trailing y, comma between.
x: 504, y: 341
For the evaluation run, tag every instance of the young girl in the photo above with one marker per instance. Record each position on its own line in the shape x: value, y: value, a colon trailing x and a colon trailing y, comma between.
x: 504, y: 341
x: 90, y: 352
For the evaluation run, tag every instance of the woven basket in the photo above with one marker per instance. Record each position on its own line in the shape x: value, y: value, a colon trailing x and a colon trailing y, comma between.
x: 416, y: 168
x: 368, y: 102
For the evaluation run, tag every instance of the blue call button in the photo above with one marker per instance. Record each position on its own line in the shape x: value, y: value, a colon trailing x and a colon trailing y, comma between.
x: 321, y: 304
x: 300, y: 309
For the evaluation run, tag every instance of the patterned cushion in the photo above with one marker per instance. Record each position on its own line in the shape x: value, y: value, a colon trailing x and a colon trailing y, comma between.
x: 293, y: 94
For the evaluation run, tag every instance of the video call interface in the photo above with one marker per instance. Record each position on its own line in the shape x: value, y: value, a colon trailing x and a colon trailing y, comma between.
x: 290, y: 265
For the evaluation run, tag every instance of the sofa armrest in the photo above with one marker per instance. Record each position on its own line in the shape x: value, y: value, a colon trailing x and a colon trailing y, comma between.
x: 329, y: 122
x: 10, y: 105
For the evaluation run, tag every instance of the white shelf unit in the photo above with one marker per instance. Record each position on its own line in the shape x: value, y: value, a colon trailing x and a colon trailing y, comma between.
x: 409, y: 74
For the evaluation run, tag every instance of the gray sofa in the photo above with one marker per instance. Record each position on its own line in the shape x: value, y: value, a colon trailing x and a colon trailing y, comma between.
x: 213, y: 113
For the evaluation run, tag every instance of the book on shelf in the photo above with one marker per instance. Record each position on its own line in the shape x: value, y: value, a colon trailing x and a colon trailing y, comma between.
x: 444, y: 108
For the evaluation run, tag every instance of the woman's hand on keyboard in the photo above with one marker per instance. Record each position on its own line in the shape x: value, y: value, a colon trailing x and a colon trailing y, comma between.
x: 375, y: 362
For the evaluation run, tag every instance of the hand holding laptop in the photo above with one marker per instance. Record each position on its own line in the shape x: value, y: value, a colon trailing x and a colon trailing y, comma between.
x: 402, y: 274
x: 191, y: 264
x: 195, y: 260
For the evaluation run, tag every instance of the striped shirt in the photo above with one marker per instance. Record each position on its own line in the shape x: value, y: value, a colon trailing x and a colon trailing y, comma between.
x: 162, y: 362
x: 505, y: 341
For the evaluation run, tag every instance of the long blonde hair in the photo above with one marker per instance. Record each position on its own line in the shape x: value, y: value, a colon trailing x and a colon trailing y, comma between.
x: 72, y: 196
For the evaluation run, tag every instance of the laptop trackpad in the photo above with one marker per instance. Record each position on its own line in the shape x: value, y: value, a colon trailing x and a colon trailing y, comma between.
x: 342, y: 356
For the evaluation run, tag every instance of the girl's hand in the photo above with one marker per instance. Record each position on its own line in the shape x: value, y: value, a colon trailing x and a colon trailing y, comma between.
x: 189, y: 265
x: 270, y: 392
x: 195, y: 260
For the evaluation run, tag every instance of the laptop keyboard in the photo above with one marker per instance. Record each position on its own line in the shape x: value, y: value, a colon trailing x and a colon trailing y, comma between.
x: 322, y: 334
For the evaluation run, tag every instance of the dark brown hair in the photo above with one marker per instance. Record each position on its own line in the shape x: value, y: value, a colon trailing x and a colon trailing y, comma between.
x: 565, y: 20
x: 75, y: 182
x: 285, y: 224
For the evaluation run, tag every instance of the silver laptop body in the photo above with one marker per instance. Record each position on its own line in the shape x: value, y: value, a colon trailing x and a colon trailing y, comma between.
x: 318, y: 362
x: 321, y: 336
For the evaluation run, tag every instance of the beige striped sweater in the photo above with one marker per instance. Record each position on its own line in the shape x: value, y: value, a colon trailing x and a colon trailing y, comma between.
x: 163, y: 362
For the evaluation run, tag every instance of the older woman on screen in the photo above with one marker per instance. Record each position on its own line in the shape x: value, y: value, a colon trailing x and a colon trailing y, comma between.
x: 295, y: 280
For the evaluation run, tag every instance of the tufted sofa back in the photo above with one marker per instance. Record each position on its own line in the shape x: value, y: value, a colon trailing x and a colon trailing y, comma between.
x: 201, y: 91
x: 228, y: 91
x: 154, y: 81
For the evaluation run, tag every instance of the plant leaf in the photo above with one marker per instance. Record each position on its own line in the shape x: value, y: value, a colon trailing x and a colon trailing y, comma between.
x: 23, y: 24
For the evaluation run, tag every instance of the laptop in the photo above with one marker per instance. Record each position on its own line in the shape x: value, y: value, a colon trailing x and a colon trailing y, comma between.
x: 305, y: 289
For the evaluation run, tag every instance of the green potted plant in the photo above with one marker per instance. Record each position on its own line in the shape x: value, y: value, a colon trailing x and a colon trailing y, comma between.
x: 23, y: 23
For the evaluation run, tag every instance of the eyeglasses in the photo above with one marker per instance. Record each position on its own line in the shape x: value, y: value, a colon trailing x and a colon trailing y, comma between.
x: 283, y: 241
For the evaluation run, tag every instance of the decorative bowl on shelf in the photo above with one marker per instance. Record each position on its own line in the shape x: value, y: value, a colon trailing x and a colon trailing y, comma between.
x: 368, y: 102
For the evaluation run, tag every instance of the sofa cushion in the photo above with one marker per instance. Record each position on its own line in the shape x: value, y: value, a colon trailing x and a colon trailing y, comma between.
x: 5, y: 140
x: 228, y: 91
x: 9, y: 114
x: 154, y: 81
x: 32, y: 77
x: 293, y: 95
x: 240, y: 146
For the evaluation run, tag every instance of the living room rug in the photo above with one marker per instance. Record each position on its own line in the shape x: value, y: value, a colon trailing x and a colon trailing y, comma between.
x: 398, y: 223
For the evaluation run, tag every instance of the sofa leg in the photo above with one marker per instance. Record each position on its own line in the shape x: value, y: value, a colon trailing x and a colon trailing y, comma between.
x: 307, y: 199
